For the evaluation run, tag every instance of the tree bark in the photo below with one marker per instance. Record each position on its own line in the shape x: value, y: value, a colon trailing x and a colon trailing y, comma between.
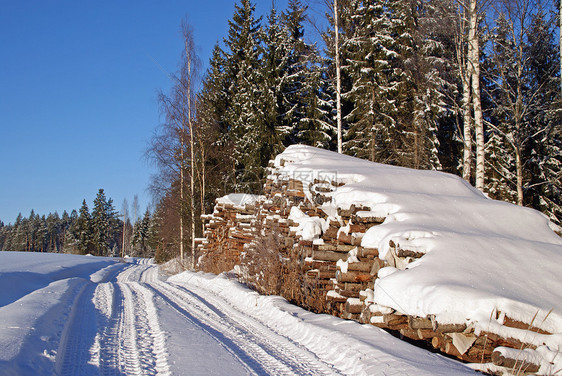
x: 464, y: 73
x: 188, y: 53
x: 338, y: 76
x: 474, y: 66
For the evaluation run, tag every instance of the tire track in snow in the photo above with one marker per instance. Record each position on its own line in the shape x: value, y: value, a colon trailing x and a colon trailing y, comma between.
x: 77, y: 351
x: 250, y: 340
x: 295, y: 351
x: 114, y: 330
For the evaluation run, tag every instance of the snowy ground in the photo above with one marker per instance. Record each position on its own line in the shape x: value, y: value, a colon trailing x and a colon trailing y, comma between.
x: 78, y: 315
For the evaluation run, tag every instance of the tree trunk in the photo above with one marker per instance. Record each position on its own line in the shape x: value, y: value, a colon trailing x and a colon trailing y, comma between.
x: 519, y: 171
x: 181, y: 195
x: 338, y: 76
x: 188, y: 51
x: 464, y: 73
x: 474, y: 66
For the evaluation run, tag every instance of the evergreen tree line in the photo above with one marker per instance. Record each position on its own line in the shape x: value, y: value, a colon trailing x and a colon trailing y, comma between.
x: 468, y: 87
x: 99, y: 232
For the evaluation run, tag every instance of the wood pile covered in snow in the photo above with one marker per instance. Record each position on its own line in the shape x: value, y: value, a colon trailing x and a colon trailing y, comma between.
x: 227, y: 231
x: 418, y: 252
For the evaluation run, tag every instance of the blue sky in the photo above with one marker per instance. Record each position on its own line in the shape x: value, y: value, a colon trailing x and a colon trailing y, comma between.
x: 78, y: 88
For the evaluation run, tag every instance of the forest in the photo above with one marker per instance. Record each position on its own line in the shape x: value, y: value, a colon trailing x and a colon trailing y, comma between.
x: 469, y: 87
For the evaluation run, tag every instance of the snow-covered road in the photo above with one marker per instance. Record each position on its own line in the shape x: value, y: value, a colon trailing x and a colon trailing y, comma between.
x: 129, y: 339
x: 91, y: 316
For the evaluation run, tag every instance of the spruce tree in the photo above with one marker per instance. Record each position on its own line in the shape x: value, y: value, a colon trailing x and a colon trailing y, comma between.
x: 303, y: 109
x: 105, y: 225
x: 252, y: 137
x: 81, y: 231
x: 545, y: 147
x: 500, y: 79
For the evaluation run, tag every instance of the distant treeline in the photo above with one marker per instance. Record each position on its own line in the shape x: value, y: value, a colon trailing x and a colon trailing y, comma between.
x: 101, y: 232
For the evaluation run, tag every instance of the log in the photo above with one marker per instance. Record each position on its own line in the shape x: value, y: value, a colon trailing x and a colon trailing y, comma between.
x: 438, y: 342
x: 328, y: 256
x: 372, y: 220
x: 316, y: 264
x: 353, y: 276
x: 448, y: 328
x: 378, y: 264
x: 507, y: 342
x: 365, y: 252
x: 321, y: 274
x: 358, y: 227
x: 361, y: 266
x: 512, y: 323
x: 330, y: 233
x: 452, y: 350
x: 345, y: 247
x: 353, y: 305
x: 345, y: 238
x: 356, y: 238
x: 395, y: 322
x: 305, y: 243
x: 515, y: 364
x: 413, y: 334
x: 425, y: 333
x: 419, y: 323
x: 325, y: 247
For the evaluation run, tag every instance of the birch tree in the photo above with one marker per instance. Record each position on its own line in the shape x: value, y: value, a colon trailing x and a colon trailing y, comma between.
x: 187, y: 83
x: 468, y: 58
x: 338, y: 75
x: 173, y: 148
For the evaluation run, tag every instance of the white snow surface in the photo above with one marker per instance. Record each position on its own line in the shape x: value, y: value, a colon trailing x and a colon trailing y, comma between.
x: 482, y: 257
x: 78, y: 315
x: 239, y: 199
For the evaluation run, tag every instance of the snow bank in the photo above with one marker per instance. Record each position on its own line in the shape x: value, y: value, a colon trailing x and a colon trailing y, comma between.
x: 37, y: 293
x: 482, y: 257
x: 353, y: 348
x: 24, y: 272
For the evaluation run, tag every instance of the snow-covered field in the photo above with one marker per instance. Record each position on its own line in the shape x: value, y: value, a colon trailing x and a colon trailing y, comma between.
x: 79, y: 315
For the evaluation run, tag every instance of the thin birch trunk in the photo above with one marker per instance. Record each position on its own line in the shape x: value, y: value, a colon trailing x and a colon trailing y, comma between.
x: 203, y: 185
x: 474, y: 65
x: 338, y: 76
x: 182, y: 146
x: 464, y: 73
x: 519, y: 171
x: 192, y: 151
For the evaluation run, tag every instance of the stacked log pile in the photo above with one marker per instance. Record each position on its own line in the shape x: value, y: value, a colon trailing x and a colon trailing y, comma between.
x: 227, y: 232
x: 338, y: 269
